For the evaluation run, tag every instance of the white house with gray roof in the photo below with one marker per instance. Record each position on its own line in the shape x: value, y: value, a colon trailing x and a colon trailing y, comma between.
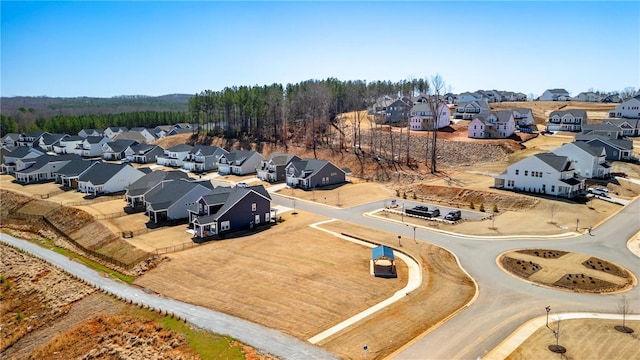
x: 18, y: 154
x: 107, y: 178
x: 113, y: 131
x: 497, y: 125
x: 92, y: 146
x: 422, y: 117
x: 545, y: 173
x: 137, y: 190
x: 90, y: 132
x: 469, y: 110
x: 69, y: 145
x: 145, y: 153
x: 588, y: 161
x: 629, y: 127
x: 203, y: 158
x: 312, y: 173
x: 174, y: 156
x: 47, y: 141
x: 523, y: 117
x: 566, y: 120
x: 555, y: 95
x: 10, y: 140
x: 628, y: 109
x: 118, y: 149
x: 68, y: 175
x: 43, y: 168
x: 239, y: 162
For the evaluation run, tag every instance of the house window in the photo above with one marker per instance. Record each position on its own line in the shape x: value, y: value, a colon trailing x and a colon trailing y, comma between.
x: 553, y: 188
x: 517, y: 171
x: 526, y: 173
x: 253, y: 207
x: 225, y: 225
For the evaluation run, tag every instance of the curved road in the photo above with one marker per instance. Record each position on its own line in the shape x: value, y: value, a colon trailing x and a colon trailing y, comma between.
x: 503, y: 304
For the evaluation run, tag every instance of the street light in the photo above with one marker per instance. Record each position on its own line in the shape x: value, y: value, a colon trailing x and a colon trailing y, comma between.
x: 399, y: 238
x: 577, y: 222
x: 548, y: 308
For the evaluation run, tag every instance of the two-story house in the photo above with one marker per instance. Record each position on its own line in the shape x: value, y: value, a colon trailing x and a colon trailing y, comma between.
x: 523, y: 117
x: 93, y: 146
x: 629, y: 127
x: 239, y: 162
x: 497, y: 125
x: 203, y: 158
x: 555, y: 95
x: 113, y: 131
x: 90, y: 132
x: 273, y: 169
x: 10, y: 140
x: 9, y: 165
x: 588, y: 161
x: 47, y: 141
x: 629, y: 109
x: 566, y: 120
x: 69, y: 145
x: 137, y: 190
x: 228, y: 209
x: 422, y: 117
x: 145, y: 153
x: 174, y: 156
x: 469, y: 110
x: 171, y: 200
x: 118, y: 149
x: 30, y: 139
x: 398, y: 111
x: 545, y: 173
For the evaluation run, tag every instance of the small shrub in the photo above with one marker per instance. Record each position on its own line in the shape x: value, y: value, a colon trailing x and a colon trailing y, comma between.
x: 415, y: 196
x: 495, y: 208
x: 482, y: 207
x: 397, y: 193
x: 404, y: 195
x: 471, y: 206
x: 19, y: 316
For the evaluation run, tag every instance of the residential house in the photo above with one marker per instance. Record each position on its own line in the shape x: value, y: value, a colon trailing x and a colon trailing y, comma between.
x: 47, y: 141
x: 177, y: 131
x: 137, y: 190
x: 113, y: 131
x: 189, y: 126
x: 10, y: 140
x: 545, y: 173
x: 273, y: 169
x: 469, y: 110
x: 555, y: 95
x: 497, y: 125
x: 422, y: 117
x: 145, y: 153
x: 588, y: 96
x: 107, y: 178
x: 312, y: 173
x: 161, y: 131
x: 616, y: 149
x: 588, y: 161
x: 68, y: 175
x: 71, y: 144
x: 9, y: 166
x: 93, y: 146
x: 171, y: 200
x: 239, y: 162
x: 629, y: 109
x: 566, y: 120
x: 140, y: 135
x: 30, y: 139
x: 398, y: 111
x: 90, y: 132
x: 3, y: 151
x: 612, y: 98
x: 229, y: 209
x: 174, y: 156
x: 604, y: 129
x: 380, y: 106
x: 467, y: 97
x: 43, y: 168
x: 629, y: 127
x: 523, y: 117
x: 203, y: 158
x: 118, y: 149
x: 450, y: 98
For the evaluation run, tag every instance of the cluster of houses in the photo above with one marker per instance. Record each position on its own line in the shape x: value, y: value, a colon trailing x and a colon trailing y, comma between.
x: 165, y: 196
x: 586, y: 96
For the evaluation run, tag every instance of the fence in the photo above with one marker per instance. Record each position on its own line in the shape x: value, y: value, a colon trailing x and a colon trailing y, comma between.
x: 109, y: 216
x: 175, y: 248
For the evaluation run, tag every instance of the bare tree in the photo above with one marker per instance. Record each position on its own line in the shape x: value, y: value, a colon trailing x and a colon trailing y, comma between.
x: 435, y: 87
x: 627, y: 92
x: 624, y: 309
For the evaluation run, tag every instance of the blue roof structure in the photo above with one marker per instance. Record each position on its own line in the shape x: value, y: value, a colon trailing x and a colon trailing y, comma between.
x: 382, y: 252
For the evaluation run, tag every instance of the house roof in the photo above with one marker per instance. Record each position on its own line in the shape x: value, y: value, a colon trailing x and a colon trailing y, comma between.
x: 49, y: 139
x: 131, y: 136
x: 118, y: 146
x: 558, y: 91
x: 117, y: 128
x: 101, y: 172
x: 165, y: 193
x: 634, y: 123
x: 557, y: 162
x: 308, y: 167
x: 180, y: 148
x: 75, y: 167
x: 281, y: 158
x: 43, y: 160
x: 623, y: 144
x: 205, y: 150
x: 590, y: 149
x: 382, y: 251
x: 239, y: 155
x: 90, y: 131
x: 228, y: 197
x: 503, y: 116
x: 71, y: 138
x: 13, y: 136
x: 575, y: 112
x: 22, y: 151
x: 589, y: 128
x: 94, y: 139
x: 33, y: 134
x: 148, y: 181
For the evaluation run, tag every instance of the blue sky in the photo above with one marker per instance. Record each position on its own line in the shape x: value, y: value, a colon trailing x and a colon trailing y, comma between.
x: 155, y: 47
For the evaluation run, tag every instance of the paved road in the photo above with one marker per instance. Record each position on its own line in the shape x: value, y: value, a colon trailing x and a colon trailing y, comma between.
x: 504, y: 302
x: 269, y: 340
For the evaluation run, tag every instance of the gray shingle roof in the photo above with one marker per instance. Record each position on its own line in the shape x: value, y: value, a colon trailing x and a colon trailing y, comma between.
x: 238, y: 155
x: 49, y: 139
x: 180, y: 148
x: 43, y: 160
x: 559, y: 163
x: 94, y: 139
x: 166, y: 193
x: 281, y: 158
x: 100, y: 173
x: 228, y: 197
x: 575, y: 112
x: 205, y: 150
x: 151, y: 179
x: 119, y: 146
x: 75, y: 167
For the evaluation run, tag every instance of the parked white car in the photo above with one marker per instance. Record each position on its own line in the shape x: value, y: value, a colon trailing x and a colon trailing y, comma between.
x: 598, y: 191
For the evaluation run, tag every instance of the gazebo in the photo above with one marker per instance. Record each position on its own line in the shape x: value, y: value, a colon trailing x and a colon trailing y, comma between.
x: 383, y: 262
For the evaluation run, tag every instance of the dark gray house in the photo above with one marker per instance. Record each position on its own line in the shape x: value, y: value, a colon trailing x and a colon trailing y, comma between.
x: 228, y: 209
x: 171, y: 200
x: 398, y: 111
x: 137, y: 190
x: 616, y: 149
x: 312, y: 173
x: 273, y: 169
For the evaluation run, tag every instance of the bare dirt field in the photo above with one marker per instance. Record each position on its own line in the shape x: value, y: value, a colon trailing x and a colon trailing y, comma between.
x: 47, y: 315
x: 567, y: 271
x: 583, y: 339
x: 542, y: 109
x: 346, y: 195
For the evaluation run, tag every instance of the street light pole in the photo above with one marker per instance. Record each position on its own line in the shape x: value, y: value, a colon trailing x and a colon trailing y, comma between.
x: 548, y: 308
x: 577, y: 222
x: 399, y: 238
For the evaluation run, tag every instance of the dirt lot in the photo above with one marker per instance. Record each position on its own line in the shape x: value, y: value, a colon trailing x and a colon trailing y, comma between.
x: 567, y: 271
x: 346, y: 195
x: 47, y: 315
x: 583, y: 339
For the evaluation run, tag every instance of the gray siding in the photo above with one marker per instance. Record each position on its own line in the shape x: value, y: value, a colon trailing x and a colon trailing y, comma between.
x: 241, y: 215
